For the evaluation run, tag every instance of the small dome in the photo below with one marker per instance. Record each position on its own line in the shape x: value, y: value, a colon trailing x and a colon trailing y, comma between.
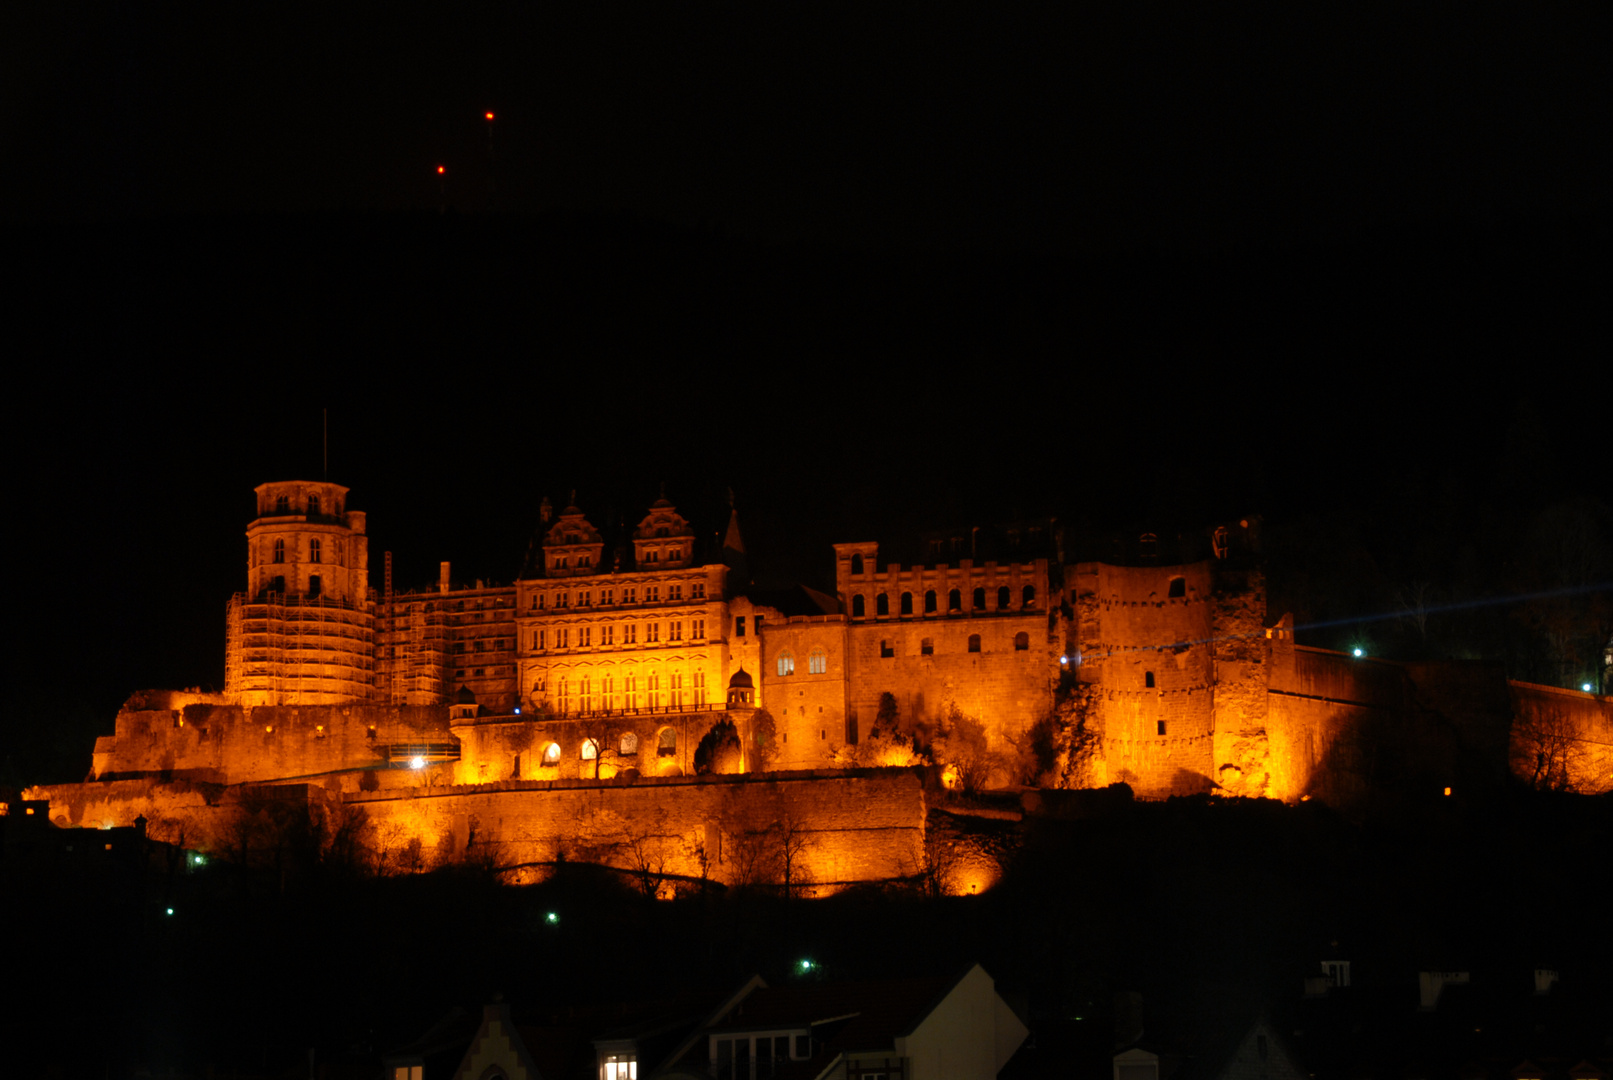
x: 466, y: 697
x: 741, y: 679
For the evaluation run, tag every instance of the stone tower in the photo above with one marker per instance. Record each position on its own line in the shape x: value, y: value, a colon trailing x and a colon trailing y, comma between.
x: 303, y: 632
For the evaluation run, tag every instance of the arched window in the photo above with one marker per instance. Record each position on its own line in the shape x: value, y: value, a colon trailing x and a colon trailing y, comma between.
x: 907, y: 603
x: 282, y: 505
x: 858, y: 608
x: 1148, y: 679
x: 1022, y: 641
x: 590, y: 750
x: 927, y: 647
x: 980, y: 600
x: 1148, y: 545
x: 313, y: 551
x: 667, y: 744
x: 974, y: 642
x: 856, y: 564
x: 279, y: 551
x: 929, y: 601
x: 954, y: 600
x: 551, y: 754
x: 882, y: 604
x: 313, y: 504
x: 629, y: 745
x: 1002, y: 598
x: 1028, y: 596
x: 818, y: 662
x: 786, y: 663
x: 1178, y: 587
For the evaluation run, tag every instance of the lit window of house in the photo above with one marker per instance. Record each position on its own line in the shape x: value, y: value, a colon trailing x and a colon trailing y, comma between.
x: 818, y: 662
x: 786, y: 663
x: 652, y: 631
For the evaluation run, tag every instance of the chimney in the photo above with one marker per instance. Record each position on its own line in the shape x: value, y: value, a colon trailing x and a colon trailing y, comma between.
x: 442, y: 580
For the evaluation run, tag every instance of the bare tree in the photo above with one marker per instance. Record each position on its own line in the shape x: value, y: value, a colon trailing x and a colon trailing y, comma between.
x: 1549, y: 751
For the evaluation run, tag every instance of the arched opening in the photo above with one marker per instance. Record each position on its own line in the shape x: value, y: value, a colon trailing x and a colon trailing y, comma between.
x: 927, y: 647
x: 590, y: 749
x: 666, y: 743
x: 1022, y: 641
x: 1028, y: 596
x: 858, y: 608
x: 907, y: 603
x: 954, y: 600
x: 979, y: 600
x: 1178, y: 587
x: 629, y: 745
x: 1148, y: 679
x: 551, y: 754
x: 974, y: 642
x: 929, y: 601
x: 1002, y: 598
x: 856, y: 564
x: 882, y: 604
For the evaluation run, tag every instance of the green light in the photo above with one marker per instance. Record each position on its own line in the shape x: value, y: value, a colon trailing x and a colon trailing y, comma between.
x: 1358, y: 651
x: 806, y: 965
x: 552, y: 918
x: 170, y: 911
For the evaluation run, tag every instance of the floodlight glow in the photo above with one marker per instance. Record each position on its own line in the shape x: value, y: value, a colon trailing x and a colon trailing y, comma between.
x: 806, y: 965
x: 1357, y: 652
x: 552, y: 918
x: 170, y: 911
x: 1585, y: 687
x: 417, y: 762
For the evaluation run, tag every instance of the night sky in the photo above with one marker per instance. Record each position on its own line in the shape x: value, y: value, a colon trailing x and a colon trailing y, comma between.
x: 878, y: 269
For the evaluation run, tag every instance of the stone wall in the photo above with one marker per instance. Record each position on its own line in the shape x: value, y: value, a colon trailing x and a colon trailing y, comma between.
x: 809, y: 707
x: 849, y: 827
x: 1561, y: 738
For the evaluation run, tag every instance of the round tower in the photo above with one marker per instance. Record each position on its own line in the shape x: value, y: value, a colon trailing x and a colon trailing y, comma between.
x: 303, y: 632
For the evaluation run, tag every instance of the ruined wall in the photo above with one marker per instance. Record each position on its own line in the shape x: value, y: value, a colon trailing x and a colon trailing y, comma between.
x: 858, y: 826
x: 1241, y: 650
x: 1130, y: 629
x: 229, y: 744
x: 490, y: 746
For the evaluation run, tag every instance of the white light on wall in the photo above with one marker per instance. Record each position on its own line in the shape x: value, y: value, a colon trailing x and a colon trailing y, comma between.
x: 1585, y: 687
x: 1357, y: 652
x: 417, y: 762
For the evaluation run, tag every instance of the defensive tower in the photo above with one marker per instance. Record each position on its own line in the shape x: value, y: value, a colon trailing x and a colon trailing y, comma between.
x: 303, y: 632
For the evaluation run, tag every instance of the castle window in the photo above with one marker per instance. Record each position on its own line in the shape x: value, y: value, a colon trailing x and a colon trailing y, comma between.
x: 313, y: 505
x: 907, y: 603
x: 537, y: 601
x: 885, y: 650
x: 1148, y: 545
x: 882, y: 604
x: 818, y: 662
x: 562, y: 638
x: 927, y: 647
x: 282, y: 505
x: 1002, y: 598
x: 739, y: 626
x: 590, y: 750
x: 459, y: 646
x: 279, y: 551
x: 1022, y: 641
x: 699, y: 689
x: 675, y: 630
x: 851, y: 729
x: 666, y: 744
x: 652, y: 594
x: 929, y: 601
x: 479, y: 646
x: 1148, y: 679
x: 974, y: 642
x: 563, y: 698
x: 585, y: 560
x: 585, y: 598
x: 551, y: 754
x: 630, y: 594
x: 856, y: 564
x: 1028, y: 596
x: 676, y: 679
x: 314, y: 585
x: 1178, y: 587
x: 630, y: 633
x: 537, y: 640
x: 979, y: 600
x: 654, y: 682
x: 629, y: 745
x: 674, y: 591
x: 652, y: 632
x: 585, y: 635
x: 607, y: 634
x: 697, y: 629
x: 278, y: 585
x: 858, y: 606
x: 697, y: 591
x: 1159, y: 726
x: 786, y: 663
x: 607, y: 597
x: 954, y: 600
x: 630, y: 693
x: 562, y: 599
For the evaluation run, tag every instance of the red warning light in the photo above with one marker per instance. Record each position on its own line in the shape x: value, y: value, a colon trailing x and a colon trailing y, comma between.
x: 489, y: 115
x: 441, y: 170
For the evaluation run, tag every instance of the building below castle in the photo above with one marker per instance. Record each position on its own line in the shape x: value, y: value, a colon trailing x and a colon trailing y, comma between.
x: 639, y: 666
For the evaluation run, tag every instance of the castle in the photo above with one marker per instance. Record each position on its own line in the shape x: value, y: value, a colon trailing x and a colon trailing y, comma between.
x: 565, y: 711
